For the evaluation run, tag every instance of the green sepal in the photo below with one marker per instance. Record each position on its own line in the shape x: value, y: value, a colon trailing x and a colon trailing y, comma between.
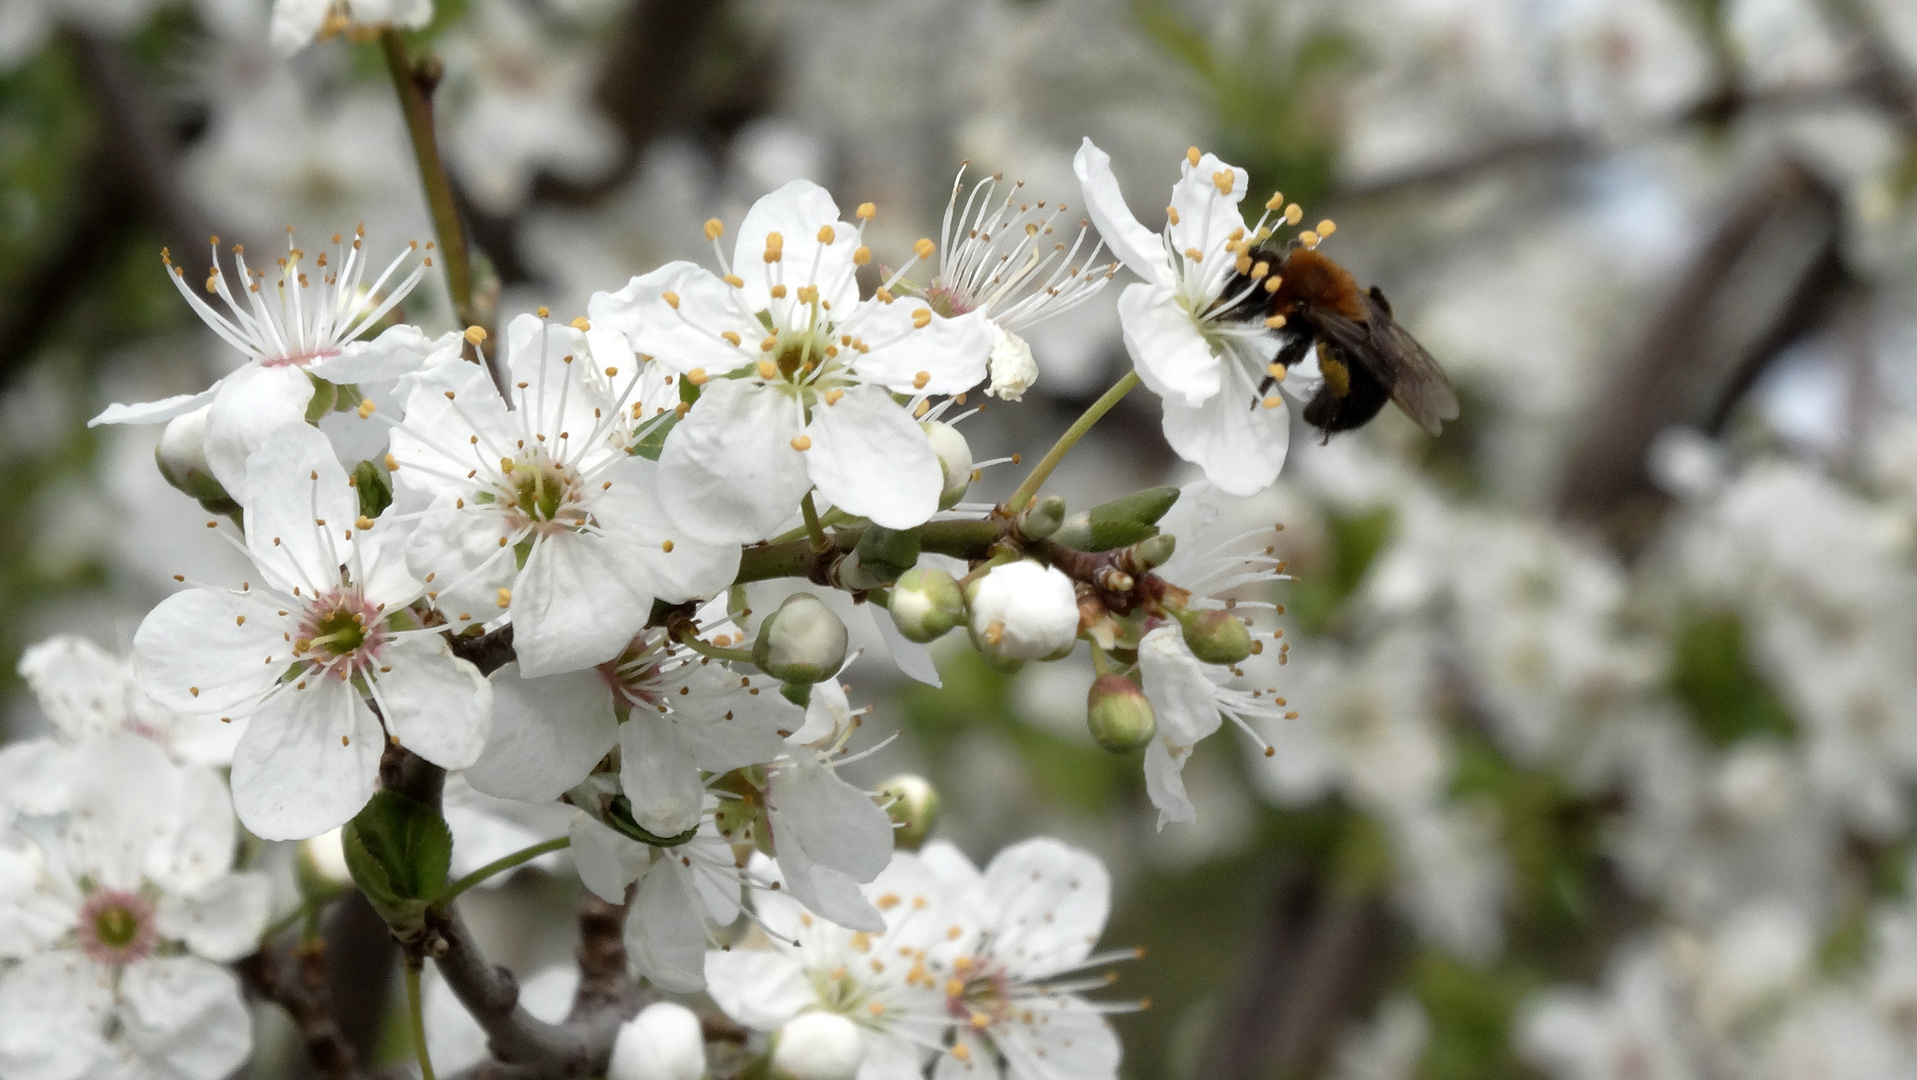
x: 880, y: 557
x: 1119, y: 522
x: 619, y: 816
x: 399, y: 851
x: 346, y: 397
x: 655, y: 438
x: 799, y: 694
x: 325, y: 396
x: 375, y: 488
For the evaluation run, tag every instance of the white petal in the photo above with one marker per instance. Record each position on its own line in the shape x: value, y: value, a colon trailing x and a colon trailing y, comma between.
x: 820, y: 824
x: 186, y: 1017
x: 54, y: 1009
x: 436, y: 437
x: 607, y: 862
x: 294, y: 481
x: 952, y: 354
x: 1071, y: 1041
x: 308, y: 761
x: 659, y: 773
x: 457, y: 544
x: 578, y: 602
x: 436, y: 704
x: 1206, y: 216
x: 35, y: 909
x: 980, y: 1062
x: 730, y: 465
x: 686, y: 337
x: 202, y: 651
x: 1177, y: 685
x: 132, y: 798
x: 34, y: 777
x: 199, y: 849
x: 741, y: 729
x: 154, y: 412
x: 796, y: 212
x: 557, y: 393
x: 1239, y: 443
x: 252, y: 404
x: 222, y: 921
x: 81, y: 687
x: 872, y: 459
x: 760, y: 988
x: 485, y: 828
x: 1136, y: 246
x: 547, y: 734
x: 1172, y: 357
x: 400, y: 350
x: 296, y: 23
x: 665, y: 931
x: 634, y: 507
x: 913, y: 659
x: 1050, y: 902
x: 1165, y: 781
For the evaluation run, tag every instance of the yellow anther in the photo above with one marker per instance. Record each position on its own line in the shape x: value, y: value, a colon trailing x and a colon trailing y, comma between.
x: 1242, y: 264
x: 768, y: 370
x: 922, y: 318
x: 924, y: 407
x: 980, y: 1021
x: 1294, y: 214
x: 833, y: 395
x: 1272, y: 402
x: 1277, y: 200
x: 475, y: 334
x: 697, y: 376
x: 1327, y: 227
x: 924, y: 248
x: 884, y: 294
x: 867, y: 211
x: 392, y: 463
x: 769, y: 343
x: 877, y: 1008
x: 366, y: 407
x: 1194, y: 254
x: 505, y: 598
x: 861, y: 255
x: 364, y: 523
x: 1192, y: 155
x: 826, y: 235
x: 1171, y: 214
x: 802, y: 442
x: 506, y: 465
x: 778, y: 292
x: 962, y: 1052
x: 715, y: 228
x: 731, y: 336
x: 1260, y: 269
x: 1272, y: 283
x: 671, y: 298
x: 1275, y: 322
x: 1223, y: 180
x: 544, y: 312
x: 580, y: 324
x: 665, y: 546
x: 954, y: 988
x: 734, y: 280
x: 808, y: 294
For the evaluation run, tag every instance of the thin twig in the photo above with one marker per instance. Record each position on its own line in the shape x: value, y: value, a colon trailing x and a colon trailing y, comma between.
x: 297, y: 983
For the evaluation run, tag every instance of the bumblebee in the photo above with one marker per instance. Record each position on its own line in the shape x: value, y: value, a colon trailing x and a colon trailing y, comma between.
x: 1365, y: 356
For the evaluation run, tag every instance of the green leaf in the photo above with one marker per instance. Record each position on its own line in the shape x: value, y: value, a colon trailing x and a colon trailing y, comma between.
x: 399, y: 851
x: 1711, y: 672
x: 1119, y: 522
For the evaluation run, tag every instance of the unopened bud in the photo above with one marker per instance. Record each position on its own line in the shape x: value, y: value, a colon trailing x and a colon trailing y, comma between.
x: 1024, y: 611
x: 1216, y: 637
x: 1043, y: 518
x: 1119, y: 715
x: 1153, y: 551
x: 955, y: 460
x: 925, y: 603
x: 880, y: 557
x: 664, y: 1042
x: 181, y: 456
x: 913, y: 805
x: 802, y: 642
x: 818, y: 1046
x: 321, y: 867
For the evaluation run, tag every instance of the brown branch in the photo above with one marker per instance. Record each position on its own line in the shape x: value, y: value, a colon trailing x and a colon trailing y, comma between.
x: 603, y: 981
x: 297, y: 983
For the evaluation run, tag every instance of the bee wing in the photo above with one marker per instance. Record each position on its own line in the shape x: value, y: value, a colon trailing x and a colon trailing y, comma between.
x: 1417, y: 384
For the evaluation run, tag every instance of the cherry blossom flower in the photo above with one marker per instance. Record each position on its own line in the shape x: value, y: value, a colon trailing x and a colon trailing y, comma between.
x: 539, y: 510
x: 117, y: 927
x: 1187, y: 334
x: 299, y: 23
x: 296, y: 657
x: 293, y: 329
x: 796, y: 372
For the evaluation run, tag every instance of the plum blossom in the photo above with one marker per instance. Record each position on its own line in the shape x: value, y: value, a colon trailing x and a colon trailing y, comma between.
x: 87, y: 693
x: 292, y: 330
x: 116, y: 927
x: 296, y: 657
x: 537, y: 509
x: 298, y: 23
x: 1187, y: 334
x: 796, y: 372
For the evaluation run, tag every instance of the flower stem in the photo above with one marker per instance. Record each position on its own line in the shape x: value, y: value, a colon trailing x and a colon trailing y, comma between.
x: 820, y: 541
x: 416, y: 1016
x: 1029, y: 488
x: 689, y: 637
x: 415, y: 83
x: 500, y: 866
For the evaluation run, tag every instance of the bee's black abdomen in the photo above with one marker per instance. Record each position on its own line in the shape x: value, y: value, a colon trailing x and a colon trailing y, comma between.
x: 1364, y: 397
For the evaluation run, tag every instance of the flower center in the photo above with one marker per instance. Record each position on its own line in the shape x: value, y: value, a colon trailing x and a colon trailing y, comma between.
x: 542, y: 492
x: 117, y: 928
x: 340, y: 632
x: 975, y: 994
x: 948, y: 301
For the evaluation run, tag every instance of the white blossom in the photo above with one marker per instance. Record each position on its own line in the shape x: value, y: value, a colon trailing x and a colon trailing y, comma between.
x: 1024, y: 611
x: 299, y: 23
x: 295, y: 657
x: 664, y: 1042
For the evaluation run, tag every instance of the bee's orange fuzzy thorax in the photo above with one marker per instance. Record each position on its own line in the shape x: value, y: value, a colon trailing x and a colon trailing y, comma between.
x: 1311, y: 278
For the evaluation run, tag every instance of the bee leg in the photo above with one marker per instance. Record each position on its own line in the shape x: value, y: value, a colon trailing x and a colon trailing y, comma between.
x: 1293, y: 351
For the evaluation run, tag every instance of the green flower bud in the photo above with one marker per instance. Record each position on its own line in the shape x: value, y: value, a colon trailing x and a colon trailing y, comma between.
x: 881, y: 556
x: 1043, y: 518
x: 925, y: 603
x: 181, y: 457
x: 913, y: 805
x: 1216, y: 637
x: 802, y: 642
x: 1118, y: 714
x: 955, y: 460
x: 1119, y: 522
x: 1154, y: 551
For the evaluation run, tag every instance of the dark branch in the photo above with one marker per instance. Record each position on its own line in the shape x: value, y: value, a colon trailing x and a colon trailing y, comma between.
x: 297, y: 983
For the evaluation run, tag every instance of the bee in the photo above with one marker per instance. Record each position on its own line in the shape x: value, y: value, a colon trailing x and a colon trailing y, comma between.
x: 1366, y: 358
